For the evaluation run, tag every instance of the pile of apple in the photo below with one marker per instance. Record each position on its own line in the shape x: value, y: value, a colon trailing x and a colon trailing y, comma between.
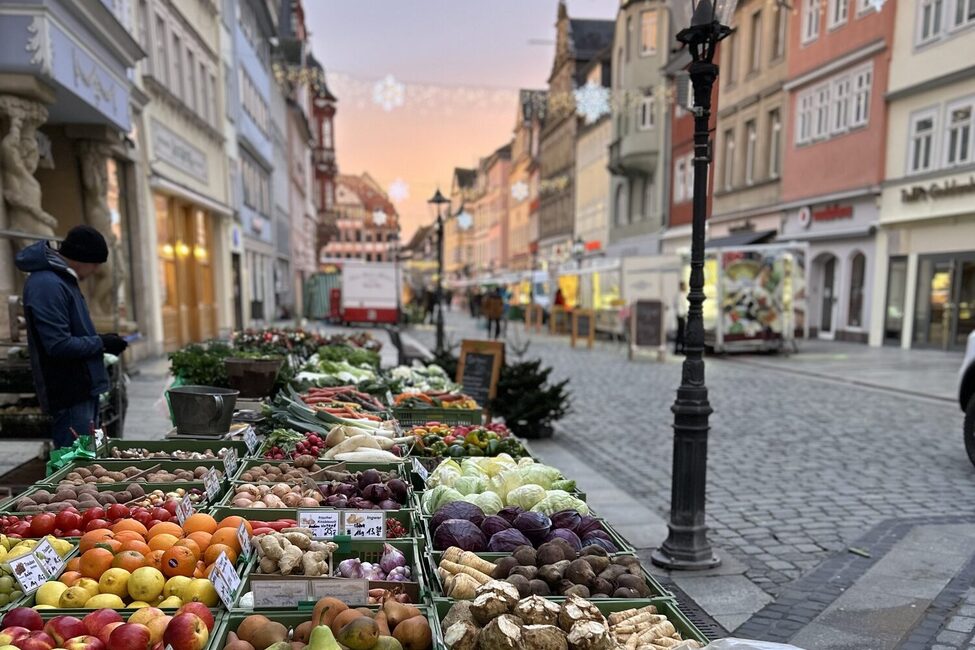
x: 105, y: 629
x: 71, y: 522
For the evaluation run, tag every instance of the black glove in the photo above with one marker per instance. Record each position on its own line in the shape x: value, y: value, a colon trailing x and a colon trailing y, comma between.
x: 114, y: 344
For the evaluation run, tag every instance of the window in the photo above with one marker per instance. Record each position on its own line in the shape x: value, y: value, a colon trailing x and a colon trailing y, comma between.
x: 958, y: 134
x: 919, y: 155
x: 680, y: 179
x: 964, y: 13
x: 621, y: 204
x: 645, y: 113
x: 731, y: 43
x: 142, y: 24
x: 191, y: 81
x: 755, y: 51
x: 214, y: 100
x: 751, y: 142
x: 177, y: 86
x: 161, y: 64
x: 774, y: 144
x: 729, y: 159
x: 648, y: 196
x: 205, y: 94
x: 840, y: 109
x: 820, y: 125
x: 256, y: 184
x: 810, y: 20
x: 648, y: 33
x: 629, y: 37
x: 839, y: 11
x: 252, y: 102
x: 931, y: 17
x: 857, y: 272
x: 327, y: 133
x: 781, y: 25
x: 861, y: 96
x: 804, y: 119
x: 865, y: 6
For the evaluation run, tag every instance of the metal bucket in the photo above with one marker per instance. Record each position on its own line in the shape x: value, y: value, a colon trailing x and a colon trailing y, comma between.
x: 202, y: 410
x: 252, y: 377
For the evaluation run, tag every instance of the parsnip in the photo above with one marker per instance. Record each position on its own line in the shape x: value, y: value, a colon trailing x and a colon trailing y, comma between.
x: 361, y: 441
x: 368, y: 456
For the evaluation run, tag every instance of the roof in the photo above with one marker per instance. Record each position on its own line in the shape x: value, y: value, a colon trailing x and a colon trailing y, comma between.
x: 590, y: 37
x: 321, y: 90
x: 419, y: 235
x: 533, y: 104
x: 741, y: 238
x: 466, y: 178
x: 369, y: 195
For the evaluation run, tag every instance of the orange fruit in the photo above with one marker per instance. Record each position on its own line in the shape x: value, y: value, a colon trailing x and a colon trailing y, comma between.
x: 167, y: 527
x: 154, y: 559
x: 162, y: 541
x: 202, y: 539
x: 129, y: 560
x: 71, y: 577
x: 200, y: 521
x: 136, y: 545
x: 226, y: 536
x: 199, y: 571
x: 95, y: 562
x: 92, y: 537
x: 233, y: 521
x: 74, y: 564
x: 178, y: 561
x: 207, y: 570
x: 190, y: 544
x: 112, y: 545
x: 214, y: 551
x: 130, y: 525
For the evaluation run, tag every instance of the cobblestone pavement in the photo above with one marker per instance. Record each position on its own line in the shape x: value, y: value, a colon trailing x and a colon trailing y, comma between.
x: 799, y: 467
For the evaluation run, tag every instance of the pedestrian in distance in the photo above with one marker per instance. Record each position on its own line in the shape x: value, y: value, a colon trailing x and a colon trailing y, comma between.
x: 680, y: 312
x: 66, y: 353
x: 476, y: 305
x: 448, y: 298
x: 559, y: 298
x: 494, y: 312
x: 429, y: 303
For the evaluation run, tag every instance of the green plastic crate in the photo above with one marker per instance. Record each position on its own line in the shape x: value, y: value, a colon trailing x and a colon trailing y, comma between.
x: 399, y: 468
x: 411, y: 417
x: 405, y: 517
x: 114, y: 487
x: 117, y: 465
x: 169, y: 446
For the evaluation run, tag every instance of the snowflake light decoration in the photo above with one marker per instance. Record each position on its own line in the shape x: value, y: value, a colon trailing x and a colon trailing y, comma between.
x: 388, y: 93
x: 379, y: 217
x: 877, y: 5
x: 519, y: 191
x: 465, y: 220
x: 399, y: 190
x: 592, y: 101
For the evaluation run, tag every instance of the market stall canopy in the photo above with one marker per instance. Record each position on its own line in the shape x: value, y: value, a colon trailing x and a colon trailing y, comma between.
x: 742, y: 238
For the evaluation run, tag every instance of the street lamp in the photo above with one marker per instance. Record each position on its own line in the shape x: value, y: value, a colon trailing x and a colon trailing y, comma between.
x: 687, y: 546
x: 437, y: 202
x: 578, y: 251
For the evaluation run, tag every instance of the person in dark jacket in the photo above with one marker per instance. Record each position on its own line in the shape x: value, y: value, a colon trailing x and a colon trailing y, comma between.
x: 65, y: 351
x: 494, y: 312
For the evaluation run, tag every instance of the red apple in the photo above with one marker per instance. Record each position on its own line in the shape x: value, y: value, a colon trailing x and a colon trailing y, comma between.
x: 95, y: 524
x: 171, y: 506
x: 86, y: 642
x: 106, y: 632
x: 23, y: 617
x: 93, y: 513
x: 130, y: 636
x: 10, y: 634
x: 67, y: 520
x: 99, y: 618
x: 186, y: 632
x: 42, y: 525
x: 142, y: 517
x: 36, y: 640
x: 157, y: 626
x: 200, y: 610
x: 117, y: 511
x: 160, y: 513
x: 74, y: 532
x: 62, y: 628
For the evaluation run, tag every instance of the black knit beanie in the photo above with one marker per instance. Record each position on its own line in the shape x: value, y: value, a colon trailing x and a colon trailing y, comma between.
x: 85, y: 244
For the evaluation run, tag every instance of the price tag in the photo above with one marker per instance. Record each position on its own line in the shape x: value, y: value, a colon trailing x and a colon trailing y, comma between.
x: 225, y: 580
x: 100, y: 438
x: 244, y: 538
x: 324, y: 524
x: 184, y: 510
x: 420, y: 469
x: 211, y: 483
x: 48, y: 557
x: 350, y: 592
x: 279, y: 593
x: 230, y: 461
x: 28, y: 572
x: 364, y: 524
x: 250, y: 438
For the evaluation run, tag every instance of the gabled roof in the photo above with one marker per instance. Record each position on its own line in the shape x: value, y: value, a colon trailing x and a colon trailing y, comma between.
x: 589, y: 37
x: 466, y: 178
x: 533, y: 104
x: 368, y: 193
x: 321, y: 90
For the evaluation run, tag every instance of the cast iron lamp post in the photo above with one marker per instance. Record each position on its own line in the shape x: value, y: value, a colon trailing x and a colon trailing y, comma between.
x: 687, y: 546
x: 578, y: 251
x: 437, y: 202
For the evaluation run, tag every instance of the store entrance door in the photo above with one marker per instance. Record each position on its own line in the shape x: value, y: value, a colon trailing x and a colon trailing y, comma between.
x: 945, y: 312
x: 829, y: 299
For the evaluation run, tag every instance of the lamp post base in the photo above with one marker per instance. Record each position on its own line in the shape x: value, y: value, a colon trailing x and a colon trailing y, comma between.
x: 665, y: 560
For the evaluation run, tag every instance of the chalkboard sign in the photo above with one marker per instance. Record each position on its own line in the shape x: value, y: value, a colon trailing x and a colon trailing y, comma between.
x: 648, y: 323
x: 479, y: 369
x: 583, y: 326
x: 558, y: 321
x: 534, y: 317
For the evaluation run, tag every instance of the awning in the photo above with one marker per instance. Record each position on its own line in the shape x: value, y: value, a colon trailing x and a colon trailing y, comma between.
x: 741, y: 238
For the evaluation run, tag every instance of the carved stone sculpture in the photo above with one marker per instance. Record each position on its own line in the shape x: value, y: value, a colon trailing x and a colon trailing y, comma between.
x: 18, y: 162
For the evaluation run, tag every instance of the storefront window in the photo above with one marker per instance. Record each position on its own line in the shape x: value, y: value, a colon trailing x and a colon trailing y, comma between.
x: 857, y: 267
x: 896, y: 292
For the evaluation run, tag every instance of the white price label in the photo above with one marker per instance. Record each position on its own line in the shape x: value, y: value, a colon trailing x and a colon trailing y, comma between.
x: 420, y: 469
x: 211, y: 483
x: 28, y: 572
x: 244, y: 538
x: 48, y: 557
x: 324, y: 524
x: 100, y: 437
x: 250, y: 438
x: 364, y: 524
x: 184, y: 510
x: 350, y: 592
x: 225, y: 580
x: 230, y: 461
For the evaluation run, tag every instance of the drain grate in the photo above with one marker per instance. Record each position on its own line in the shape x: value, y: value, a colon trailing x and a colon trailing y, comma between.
x: 700, y: 618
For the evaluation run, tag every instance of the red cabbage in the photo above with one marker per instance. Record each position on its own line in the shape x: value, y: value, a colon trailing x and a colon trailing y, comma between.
x: 457, y: 510
x: 569, y: 519
x: 494, y: 524
x: 568, y: 536
x: 607, y: 545
x: 461, y: 533
x: 534, y: 525
x: 376, y: 492
x: 507, y: 541
x: 509, y: 513
x: 587, y: 525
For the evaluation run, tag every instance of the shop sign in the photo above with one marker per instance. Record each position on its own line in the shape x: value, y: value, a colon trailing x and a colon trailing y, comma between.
x: 833, y: 212
x: 178, y: 152
x: 937, y: 191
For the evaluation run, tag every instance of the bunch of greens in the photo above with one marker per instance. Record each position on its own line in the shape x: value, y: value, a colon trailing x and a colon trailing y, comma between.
x: 201, y: 364
x: 353, y: 355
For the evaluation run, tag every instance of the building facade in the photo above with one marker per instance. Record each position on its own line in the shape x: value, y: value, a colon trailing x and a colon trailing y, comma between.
x: 638, y: 152
x: 523, y: 199
x: 592, y: 224
x: 458, y: 231
x: 491, y: 216
x: 839, y: 61
x: 367, y: 223
x: 924, y: 261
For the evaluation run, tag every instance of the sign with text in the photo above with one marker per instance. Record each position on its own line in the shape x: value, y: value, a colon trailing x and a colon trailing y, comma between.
x: 364, y: 524
x: 244, y: 538
x: 647, y: 325
x: 48, y: 557
x: 558, y: 321
x: 583, y: 326
x: 279, y: 593
x: 184, y: 510
x: 230, y: 462
x: 420, y: 470
x: 225, y: 580
x: 211, y: 483
x: 350, y: 592
x: 324, y: 524
x: 28, y: 572
x: 250, y: 439
x: 479, y: 369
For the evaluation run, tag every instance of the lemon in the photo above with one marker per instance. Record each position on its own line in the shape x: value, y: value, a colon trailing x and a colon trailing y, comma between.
x: 74, y: 597
x: 114, y: 581
x: 201, y: 590
x: 102, y: 601
x: 171, y: 602
x: 88, y: 584
x: 44, y: 607
x: 138, y: 604
x: 146, y: 583
x: 50, y: 593
x: 175, y: 585
x: 3, y: 553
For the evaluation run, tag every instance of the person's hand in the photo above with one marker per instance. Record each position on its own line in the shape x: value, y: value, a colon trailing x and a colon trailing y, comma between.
x: 114, y: 344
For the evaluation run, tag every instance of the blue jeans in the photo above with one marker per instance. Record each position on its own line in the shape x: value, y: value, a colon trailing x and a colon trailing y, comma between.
x: 81, y: 417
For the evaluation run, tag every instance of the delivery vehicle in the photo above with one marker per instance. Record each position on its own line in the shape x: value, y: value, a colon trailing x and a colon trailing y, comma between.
x: 370, y: 292
x: 966, y: 396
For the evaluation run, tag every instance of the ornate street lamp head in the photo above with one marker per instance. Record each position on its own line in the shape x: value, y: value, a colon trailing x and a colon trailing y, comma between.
x: 436, y: 201
x: 707, y: 23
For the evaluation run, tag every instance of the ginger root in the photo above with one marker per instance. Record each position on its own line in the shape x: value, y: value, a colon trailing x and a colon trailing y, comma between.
x: 291, y: 558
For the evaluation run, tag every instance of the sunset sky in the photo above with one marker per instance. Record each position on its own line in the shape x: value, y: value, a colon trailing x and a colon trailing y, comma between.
x: 456, y: 67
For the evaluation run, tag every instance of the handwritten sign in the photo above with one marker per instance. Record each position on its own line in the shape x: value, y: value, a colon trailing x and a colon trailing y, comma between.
x: 364, y: 524
x: 420, y: 469
x: 211, y: 483
x: 184, y: 510
x: 225, y: 580
x: 48, y: 557
x: 279, y: 593
x: 350, y: 592
x: 324, y: 524
x: 230, y: 461
x: 244, y: 538
x: 479, y: 369
x: 583, y: 326
x: 647, y: 326
x: 28, y: 572
x: 250, y: 439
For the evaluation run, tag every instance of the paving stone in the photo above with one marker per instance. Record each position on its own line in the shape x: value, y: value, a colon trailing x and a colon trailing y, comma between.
x: 961, y: 624
x: 957, y: 638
